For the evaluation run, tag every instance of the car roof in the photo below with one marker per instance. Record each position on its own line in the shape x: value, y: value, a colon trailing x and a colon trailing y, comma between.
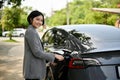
x: 92, y: 28
x: 85, y: 26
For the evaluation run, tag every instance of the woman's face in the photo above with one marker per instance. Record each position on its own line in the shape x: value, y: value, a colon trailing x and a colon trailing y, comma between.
x: 37, y: 21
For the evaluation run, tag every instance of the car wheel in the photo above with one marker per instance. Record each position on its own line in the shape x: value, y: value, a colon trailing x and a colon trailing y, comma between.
x: 21, y: 35
x: 6, y: 35
x: 49, y: 75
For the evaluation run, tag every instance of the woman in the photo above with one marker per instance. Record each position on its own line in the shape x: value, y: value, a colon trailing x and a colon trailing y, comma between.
x: 34, y: 65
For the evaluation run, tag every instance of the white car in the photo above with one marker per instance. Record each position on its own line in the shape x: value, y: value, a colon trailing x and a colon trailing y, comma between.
x: 20, y: 32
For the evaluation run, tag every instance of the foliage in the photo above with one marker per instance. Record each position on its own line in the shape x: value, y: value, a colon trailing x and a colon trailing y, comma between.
x: 80, y: 12
x: 10, y: 18
x: 16, y: 2
x: 23, y: 17
x: 111, y: 20
x: 14, y: 17
x: 58, y: 18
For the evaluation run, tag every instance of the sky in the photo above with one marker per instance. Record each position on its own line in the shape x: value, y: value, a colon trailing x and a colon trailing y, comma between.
x: 46, y: 6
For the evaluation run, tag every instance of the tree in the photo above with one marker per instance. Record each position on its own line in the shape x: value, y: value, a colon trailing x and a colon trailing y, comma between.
x: 58, y: 18
x: 13, y: 2
x: 13, y: 17
x: 23, y: 17
x: 10, y: 18
x: 80, y: 12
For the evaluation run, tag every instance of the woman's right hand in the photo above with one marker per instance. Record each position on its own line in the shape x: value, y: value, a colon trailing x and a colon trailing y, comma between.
x: 59, y: 57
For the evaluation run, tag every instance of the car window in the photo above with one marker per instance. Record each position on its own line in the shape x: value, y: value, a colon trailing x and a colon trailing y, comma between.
x: 82, y: 40
x: 46, y: 37
x: 98, y: 34
x: 61, y: 39
x: 54, y: 38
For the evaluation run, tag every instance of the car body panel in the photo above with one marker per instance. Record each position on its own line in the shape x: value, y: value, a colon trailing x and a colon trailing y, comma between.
x: 97, y: 47
x: 94, y: 73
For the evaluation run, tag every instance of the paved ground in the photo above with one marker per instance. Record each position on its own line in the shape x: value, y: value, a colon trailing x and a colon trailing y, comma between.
x: 11, y: 57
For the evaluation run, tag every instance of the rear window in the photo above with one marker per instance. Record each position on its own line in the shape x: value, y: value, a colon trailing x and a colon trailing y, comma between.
x: 107, y: 34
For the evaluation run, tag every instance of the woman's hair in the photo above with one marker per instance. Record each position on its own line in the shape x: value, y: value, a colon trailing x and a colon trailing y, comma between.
x: 34, y: 14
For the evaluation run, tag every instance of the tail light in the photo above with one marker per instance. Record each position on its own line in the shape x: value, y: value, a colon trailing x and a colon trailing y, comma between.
x: 82, y: 63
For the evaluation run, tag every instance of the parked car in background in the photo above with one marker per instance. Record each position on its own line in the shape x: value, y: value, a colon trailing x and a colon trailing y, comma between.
x: 19, y: 32
x: 91, y: 51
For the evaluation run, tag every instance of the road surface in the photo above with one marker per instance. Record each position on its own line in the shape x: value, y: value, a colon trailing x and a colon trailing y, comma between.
x: 11, y: 58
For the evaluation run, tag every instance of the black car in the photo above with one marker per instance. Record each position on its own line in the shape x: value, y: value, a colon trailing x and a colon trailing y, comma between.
x: 91, y: 51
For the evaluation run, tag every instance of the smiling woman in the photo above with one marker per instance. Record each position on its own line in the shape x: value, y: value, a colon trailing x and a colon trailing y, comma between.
x: 34, y: 64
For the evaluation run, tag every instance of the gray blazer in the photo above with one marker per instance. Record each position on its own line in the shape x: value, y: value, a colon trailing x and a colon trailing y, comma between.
x: 34, y: 62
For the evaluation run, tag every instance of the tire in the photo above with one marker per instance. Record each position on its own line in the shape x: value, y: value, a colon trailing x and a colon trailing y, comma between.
x: 6, y: 35
x: 21, y: 35
x: 49, y: 75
